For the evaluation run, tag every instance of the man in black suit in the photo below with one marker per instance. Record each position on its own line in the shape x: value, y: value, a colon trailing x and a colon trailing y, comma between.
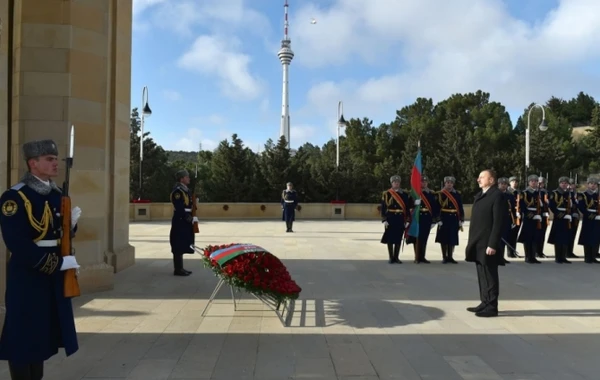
x: 488, y: 221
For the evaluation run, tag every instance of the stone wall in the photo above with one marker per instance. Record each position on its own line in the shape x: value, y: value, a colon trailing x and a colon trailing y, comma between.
x: 72, y: 66
x: 207, y: 211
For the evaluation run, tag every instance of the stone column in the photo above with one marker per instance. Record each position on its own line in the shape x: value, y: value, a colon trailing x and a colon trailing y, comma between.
x: 72, y: 64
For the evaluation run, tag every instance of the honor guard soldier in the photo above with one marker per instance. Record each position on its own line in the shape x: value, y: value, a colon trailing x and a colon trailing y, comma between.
x: 39, y: 318
x: 545, y: 217
x: 575, y: 219
x: 396, y: 206
x: 589, y: 205
x: 514, y: 232
x: 428, y: 216
x: 182, y: 235
x: 511, y: 221
x: 289, y: 202
x: 530, y: 213
x: 561, y: 204
x: 452, y: 217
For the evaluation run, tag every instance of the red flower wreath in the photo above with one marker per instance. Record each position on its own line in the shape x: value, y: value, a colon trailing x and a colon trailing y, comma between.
x: 257, y: 272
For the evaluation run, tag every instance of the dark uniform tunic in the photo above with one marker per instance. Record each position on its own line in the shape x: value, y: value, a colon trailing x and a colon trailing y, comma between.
x: 429, y: 214
x: 530, y: 206
x: 574, y: 223
x: 452, y: 215
x: 511, y: 221
x: 516, y: 225
x: 182, y: 234
x: 289, y: 202
x: 589, y: 237
x: 560, y: 203
x: 39, y: 319
x: 397, y: 213
x: 541, y: 236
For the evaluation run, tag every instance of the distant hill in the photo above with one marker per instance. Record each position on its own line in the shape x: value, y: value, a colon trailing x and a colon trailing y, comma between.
x: 182, y: 156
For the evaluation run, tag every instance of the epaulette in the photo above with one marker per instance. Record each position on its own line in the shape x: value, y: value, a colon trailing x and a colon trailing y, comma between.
x: 18, y: 186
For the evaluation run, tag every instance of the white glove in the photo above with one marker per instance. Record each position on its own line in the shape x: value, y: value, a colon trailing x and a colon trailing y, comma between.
x: 195, y: 219
x: 518, y: 215
x: 69, y: 262
x: 460, y: 224
x: 537, y: 217
x: 576, y: 216
x: 440, y: 223
x: 597, y: 217
x: 385, y: 224
x: 417, y: 202
x: 75, y: 214
x: 568, y: 217
x: 406, y: 225
x: 512, y: 226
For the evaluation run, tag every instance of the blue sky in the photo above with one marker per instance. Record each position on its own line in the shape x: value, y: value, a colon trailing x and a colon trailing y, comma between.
x: 211, y: 66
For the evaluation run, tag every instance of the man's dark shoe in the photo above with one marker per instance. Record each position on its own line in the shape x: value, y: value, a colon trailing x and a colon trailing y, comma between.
x: 476, y: 308
x: 181, y: 272
x: 487, y: 313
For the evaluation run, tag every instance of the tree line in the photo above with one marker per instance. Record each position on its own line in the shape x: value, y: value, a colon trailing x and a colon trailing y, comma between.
x: 459, y: 136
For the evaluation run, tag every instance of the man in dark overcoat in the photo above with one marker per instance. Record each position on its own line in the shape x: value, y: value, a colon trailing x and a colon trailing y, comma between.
x: 182, y: 235
x: 396, y: 206
x: 289, y: 202
x: 39, y: 318
x: 487, y: 225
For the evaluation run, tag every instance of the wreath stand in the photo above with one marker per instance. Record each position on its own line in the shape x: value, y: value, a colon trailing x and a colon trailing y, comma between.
x: 283, y: 309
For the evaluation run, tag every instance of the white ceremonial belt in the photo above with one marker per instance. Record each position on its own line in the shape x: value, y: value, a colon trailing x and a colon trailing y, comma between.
x: 531, y: 209
x: 592, y: 210
x: 561, y: 209
x: 289, y: 201
x: 546, y: 214
x: 47, y: 243
x: 187, y: 210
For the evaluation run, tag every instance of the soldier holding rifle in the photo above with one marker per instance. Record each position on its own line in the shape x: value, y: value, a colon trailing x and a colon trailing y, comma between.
x: 39, y: 315
x: 575, y: 216
x: 561, y: 205
x: 514, y: 232
x: 529, y: 211
x: 589, y: 205
x: 396, y: 206
x: 182, y: 235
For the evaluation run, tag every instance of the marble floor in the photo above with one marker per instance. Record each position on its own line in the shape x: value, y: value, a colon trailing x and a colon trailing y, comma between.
x: 357, y: 318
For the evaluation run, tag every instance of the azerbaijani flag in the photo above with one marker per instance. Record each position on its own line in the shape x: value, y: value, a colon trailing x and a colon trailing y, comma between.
x: 415, y: 184
x: 224, y: 255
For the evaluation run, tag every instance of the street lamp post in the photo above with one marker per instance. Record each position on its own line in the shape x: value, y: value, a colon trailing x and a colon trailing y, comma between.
x: 146, y: 111
x: 543, y: 127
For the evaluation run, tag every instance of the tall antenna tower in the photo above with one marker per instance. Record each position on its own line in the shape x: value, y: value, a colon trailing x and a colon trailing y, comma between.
x: 285, y: 55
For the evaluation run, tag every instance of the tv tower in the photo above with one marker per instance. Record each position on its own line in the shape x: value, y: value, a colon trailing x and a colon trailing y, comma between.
x: 285, y: 55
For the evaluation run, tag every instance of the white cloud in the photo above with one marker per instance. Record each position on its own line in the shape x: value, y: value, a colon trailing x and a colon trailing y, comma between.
x: 171, y: 95
x: 220, y: 56
x: 192, y: 142
x: 434, y: 49
x: 300, y: 134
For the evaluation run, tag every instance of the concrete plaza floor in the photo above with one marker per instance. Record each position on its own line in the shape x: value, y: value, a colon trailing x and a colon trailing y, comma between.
x: 357, y: 318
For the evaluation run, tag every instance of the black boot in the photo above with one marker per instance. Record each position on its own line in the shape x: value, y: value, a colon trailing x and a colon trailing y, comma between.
x: 397, y: 254
x: 417, y: 253
x: 565, y: 253
x: 287, y: 226
x: 450, y: 253
x: 444, y: 254
x: 391, y: 253
x: 37, y: 371
x: 178, y: 265
x: 422, y: 252
x: 291, y: 225
x: 17, y: 372
x: 558, y: 253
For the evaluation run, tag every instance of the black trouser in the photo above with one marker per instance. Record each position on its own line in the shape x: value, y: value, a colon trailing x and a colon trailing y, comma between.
x: 489, y: 284
x: 447, y: 251
x: 289, y: 224
x: 394, y: 252
x: 26, y: 372
x: 420, y: 247
x: 530, y: 251
x: 561, y: 252
x: 590, y: 252
x: 178, y: 261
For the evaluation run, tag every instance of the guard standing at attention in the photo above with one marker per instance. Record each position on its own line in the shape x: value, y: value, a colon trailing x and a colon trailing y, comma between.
x: 514, y: 232
x: 541, y: 237
x: 39, y: 318
x: 396, y: 206
x: 182, y: 235
x: 452, y: 217
x: 561, y: 205
x: 589, y: 205
x: 530, y: 212
x: 428, y: 216
x: 576, y: 217
x: 511, y: 221
x: 289, y: 202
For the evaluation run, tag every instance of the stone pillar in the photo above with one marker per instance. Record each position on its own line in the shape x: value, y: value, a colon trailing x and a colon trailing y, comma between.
x: 72, y: 64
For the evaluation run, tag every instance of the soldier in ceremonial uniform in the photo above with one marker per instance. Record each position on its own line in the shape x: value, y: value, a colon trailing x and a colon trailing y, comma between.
x: 39, y: 318
x: 511, y: 221
x: 428, y: 216
x: 396, y: 206
x: 589, y: 205
x: 452, y: 217
x: 182, y: 234
x: 289, y: 202
x: 545, y: 217
x: 530, y: 213
x: 575, y: 219
x: 514, y: 232
x: 561, y: 204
